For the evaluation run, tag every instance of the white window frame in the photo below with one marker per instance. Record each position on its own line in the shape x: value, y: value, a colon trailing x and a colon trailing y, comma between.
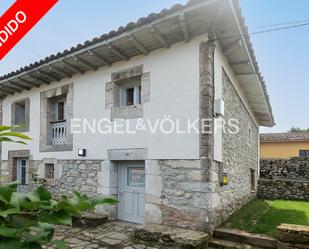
x: 56, y: 110
x: 19, y: 169
x: 136, y: 93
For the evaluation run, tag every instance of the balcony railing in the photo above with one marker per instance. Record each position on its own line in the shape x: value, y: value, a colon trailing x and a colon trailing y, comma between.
x: 22, y: 188
x: 59, y: 132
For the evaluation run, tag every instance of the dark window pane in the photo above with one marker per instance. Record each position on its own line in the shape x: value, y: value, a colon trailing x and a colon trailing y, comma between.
x: 140, y: 95
x: 23, y: 175
x: 252, y: 174
x: 304, y: 153
x: 130, y: 96
x: 20, y: 113
x: 60, y: 111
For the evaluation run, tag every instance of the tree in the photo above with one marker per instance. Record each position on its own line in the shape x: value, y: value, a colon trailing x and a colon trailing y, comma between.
x: 297, y: 129
x: 27, y: 221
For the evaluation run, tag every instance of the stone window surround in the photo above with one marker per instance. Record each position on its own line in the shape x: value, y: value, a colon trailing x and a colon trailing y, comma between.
x: 15, y: 154
x: 127, y: 112
x: 57, y: 171
x: 26, y: 126
x: 45, y: 126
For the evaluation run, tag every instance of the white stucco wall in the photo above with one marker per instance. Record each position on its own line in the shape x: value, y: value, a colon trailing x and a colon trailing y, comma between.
x: 174, y: 92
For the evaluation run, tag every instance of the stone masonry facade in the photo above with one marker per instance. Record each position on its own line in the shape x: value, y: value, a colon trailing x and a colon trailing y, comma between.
x: 240, y: 151
x: 185, y: 196
x: 284, y: 178
x: 240, y: 158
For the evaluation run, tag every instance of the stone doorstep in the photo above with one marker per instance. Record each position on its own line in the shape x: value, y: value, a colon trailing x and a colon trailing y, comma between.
x: 171, y: 236
x: 89, y: 220
x: 245, y: 238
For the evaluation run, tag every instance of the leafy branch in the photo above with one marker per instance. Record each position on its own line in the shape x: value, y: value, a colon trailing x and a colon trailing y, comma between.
x: 7, y: 134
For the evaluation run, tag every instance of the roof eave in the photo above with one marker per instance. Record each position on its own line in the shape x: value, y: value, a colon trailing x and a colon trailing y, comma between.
x: 264, y: 120
x: 89, y: 57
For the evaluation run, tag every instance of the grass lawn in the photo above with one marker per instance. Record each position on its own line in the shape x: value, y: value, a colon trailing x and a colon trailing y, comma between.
x: 263, y: 216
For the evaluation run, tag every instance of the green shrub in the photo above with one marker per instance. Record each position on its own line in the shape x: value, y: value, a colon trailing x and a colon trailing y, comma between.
x: 27, y: 221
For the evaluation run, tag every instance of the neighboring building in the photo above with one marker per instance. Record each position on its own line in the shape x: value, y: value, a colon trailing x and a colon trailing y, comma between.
x: 284, y: 145
x: 185, y: 63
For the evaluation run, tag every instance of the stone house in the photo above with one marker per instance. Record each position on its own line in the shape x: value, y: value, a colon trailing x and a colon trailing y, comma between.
x: 184, y: 63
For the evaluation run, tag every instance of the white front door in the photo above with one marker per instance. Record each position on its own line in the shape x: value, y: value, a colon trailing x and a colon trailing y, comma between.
x: 131, y: 193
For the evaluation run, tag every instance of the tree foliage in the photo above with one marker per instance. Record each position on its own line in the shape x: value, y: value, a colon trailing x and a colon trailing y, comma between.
x: 297, y: 129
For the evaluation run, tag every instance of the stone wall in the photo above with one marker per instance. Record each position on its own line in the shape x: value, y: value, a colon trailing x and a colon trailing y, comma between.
x: 240, y: 156
x: 4, y: 172
x: 295, y: 168
x: 284, y: 179
x: 240, y: 151
x: 290, y: 189
x: 70, y: 175
x: 293, y: 236
x: 185, y: 197
x: 78, y: 175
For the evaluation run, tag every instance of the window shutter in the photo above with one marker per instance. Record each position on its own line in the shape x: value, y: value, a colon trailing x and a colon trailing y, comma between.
x: 109, y: 95
x: 145, y: 82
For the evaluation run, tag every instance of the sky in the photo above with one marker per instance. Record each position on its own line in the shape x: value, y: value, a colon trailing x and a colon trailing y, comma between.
x: 283, y: 56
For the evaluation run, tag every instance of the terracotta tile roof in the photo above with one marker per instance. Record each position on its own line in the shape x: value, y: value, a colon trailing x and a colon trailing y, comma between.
x: 122, y: 29
x: 284, y: 137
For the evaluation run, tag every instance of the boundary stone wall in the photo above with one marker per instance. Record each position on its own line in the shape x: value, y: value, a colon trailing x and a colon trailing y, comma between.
x: 284, y: 178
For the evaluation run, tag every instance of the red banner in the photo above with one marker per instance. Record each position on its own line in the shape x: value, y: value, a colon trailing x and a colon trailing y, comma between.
x: 17, y: 21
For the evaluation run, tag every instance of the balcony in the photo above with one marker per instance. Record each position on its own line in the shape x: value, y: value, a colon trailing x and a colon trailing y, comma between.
x: 59, y: 132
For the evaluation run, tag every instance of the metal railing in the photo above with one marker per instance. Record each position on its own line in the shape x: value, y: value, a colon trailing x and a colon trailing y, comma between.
x: 59, y: 132
x: 22, y: 189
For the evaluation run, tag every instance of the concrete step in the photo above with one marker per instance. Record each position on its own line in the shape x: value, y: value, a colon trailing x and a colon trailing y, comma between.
x: 242, y: 237
x: 171, y: 236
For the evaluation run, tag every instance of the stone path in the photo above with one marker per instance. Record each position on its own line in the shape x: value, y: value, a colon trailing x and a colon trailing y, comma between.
x: 117, y: 235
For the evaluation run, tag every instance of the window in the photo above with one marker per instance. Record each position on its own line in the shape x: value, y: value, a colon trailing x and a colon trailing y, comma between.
x: 129, y: 92
x: 21, y: 171
x: 136, y: 177
x: 59, y: 112
x: 130, y: 96
x: 20, y: 114
x: 304, y: 153
x: 49, y: 171
x: 252, y: 179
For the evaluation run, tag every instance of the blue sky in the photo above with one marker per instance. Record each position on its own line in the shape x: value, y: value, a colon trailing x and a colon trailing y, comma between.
x: 283, y: 56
